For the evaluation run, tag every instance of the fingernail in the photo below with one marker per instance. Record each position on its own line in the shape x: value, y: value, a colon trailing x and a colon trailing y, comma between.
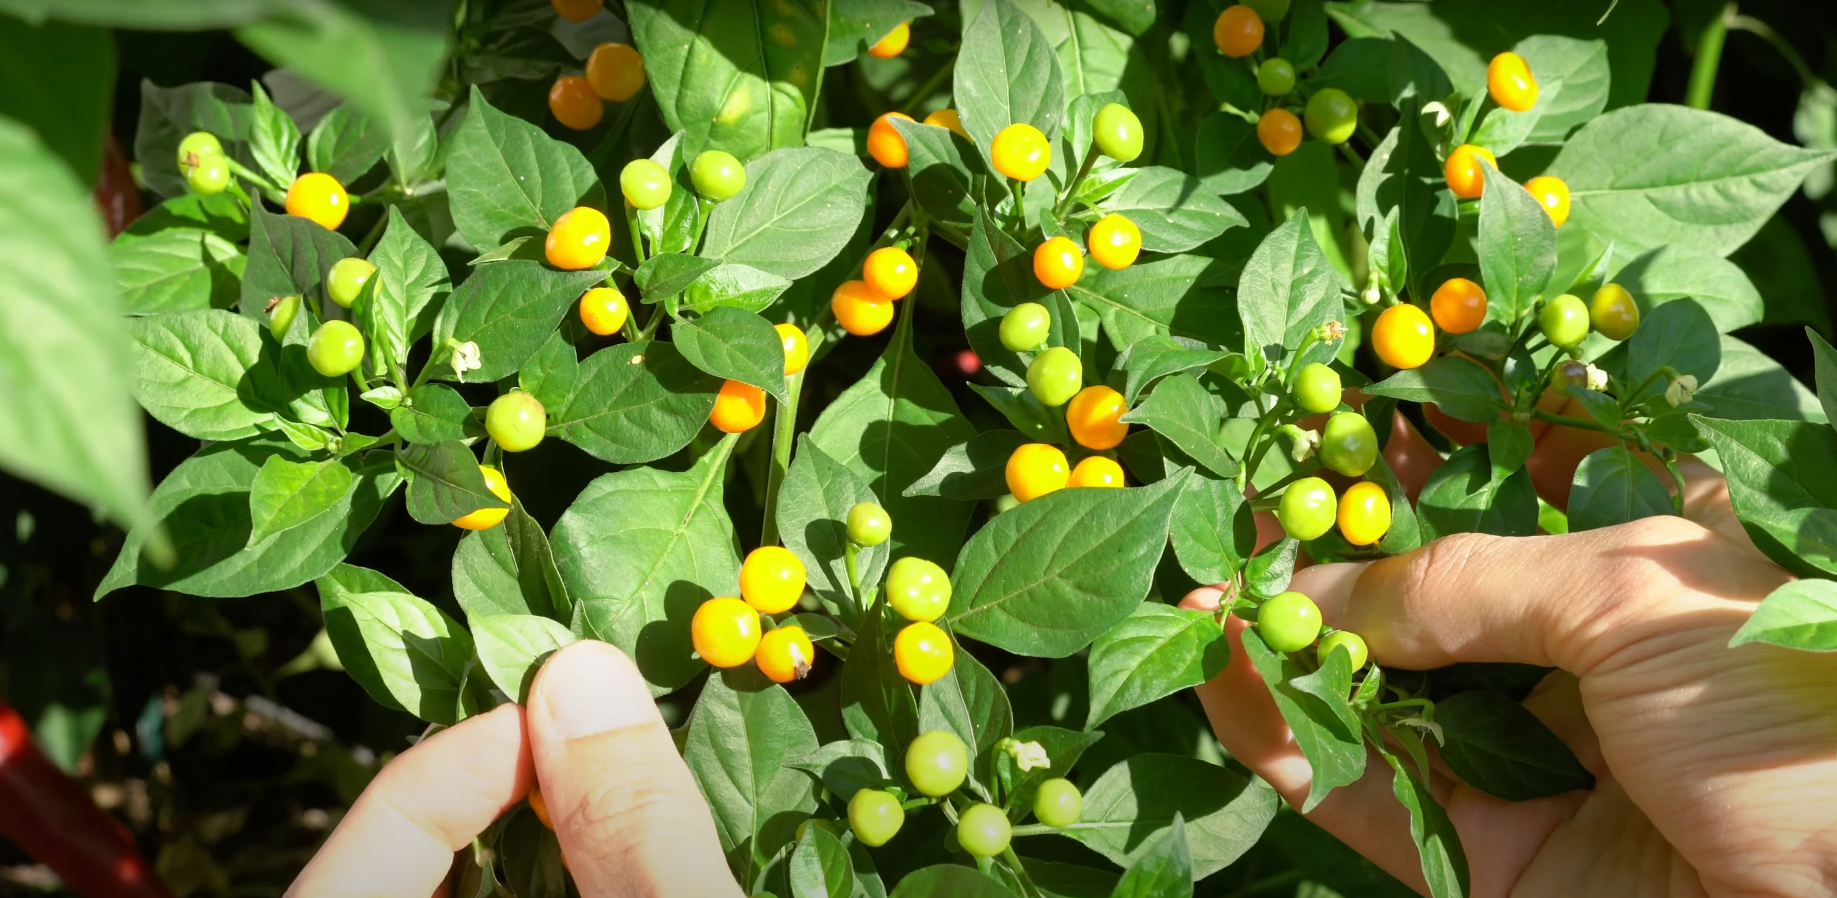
x: 590, y: 688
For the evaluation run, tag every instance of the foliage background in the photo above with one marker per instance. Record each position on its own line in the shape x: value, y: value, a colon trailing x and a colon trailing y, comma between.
x: 209, y: 727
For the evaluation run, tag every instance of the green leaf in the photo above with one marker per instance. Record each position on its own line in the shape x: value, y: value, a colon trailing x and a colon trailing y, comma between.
x: 1212, y: 531
x: 673, y: 226
x: 176, y: 270
x: 512, y: 647
x: 506, y: 178
x: 1154, y: 357
x: 997, y: 276
x: 1613, y: 487
x: 640, y: 550
x: 1572, y: 87
x: 889, y: 428
x: 1460, y: 387
x: 847, y: 766
x: 1798, y: 615
x: 404, y: 651
x: 1028, y: 415
x: 1189, y: 416
x: 288, y: 255
x: 508, y: 309
x: 972, y: 470
x: 1444, y: 863
x: 943, y: 167
x: 1678, y: 335
x: 1176, y: 296
x: 1767, y: 476
x: 731, y: 284
x: 207, y: 374
x: 855, y: 25
x: 735, y: 345
x: 1462, y: 497
x: 510, y: 570
x: 444, y: 482
x: 1404, y: 175
x: 1406, y: 531
x: 1517, y: 248
x: 1499, y: 747
x: 346, y: 144
x: 411, y: 287
x: 819, y: 867
x: 1316, y: 707
x: 1286, y: 290
x: 59, y: 81
x: 1360, y: 67
x: 950, y: 881
x: 382, y: 57
x: 1678, y: 271
x: 1046, y: 578
x: 1269, y: 570
x: 1654, y: 174
x: 630, y: 403
x: 433, y: 413
x: 742, y: 732
x: 813, y: 504
x: 732, y: 75
x: 1751, y: 385
x: 203, y: 505
x: 798, y: 210
x: 1508, y: 446
x: 1155, y: 652
x: 1462, y: 35
x: 221, y: 214
x: 877, y: 703
x: 288, y: 493
x: 1824, y: 362
x: 1007, y: 72
x: 1228, y: 156
x: 667, y: 274
x: 1165, y: 870
x: 274, y: 139
x: 1173, y: 210
x: 1136, y: 801
x: 168, y: 114
x: 971, y: 703
x: 1230, y: 80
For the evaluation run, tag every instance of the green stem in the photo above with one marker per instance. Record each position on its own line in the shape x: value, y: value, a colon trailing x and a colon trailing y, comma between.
x: 704, y: 207
x: 931, y: 83
x: 1352, y: 156
x: 1764, y: 31
x: 1671, y: 464
x: 637, y: 242
x: 374, y: 234
x: 1090, y: 159
x: 784, y: 434
x: 1020, y: 872
x: 1422, y: 703
x: 243, y: 172
x: 1709, y: 57
x: 1566, y: 421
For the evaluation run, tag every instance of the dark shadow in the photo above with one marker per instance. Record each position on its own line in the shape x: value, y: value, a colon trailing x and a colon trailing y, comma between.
x: 664, y: 650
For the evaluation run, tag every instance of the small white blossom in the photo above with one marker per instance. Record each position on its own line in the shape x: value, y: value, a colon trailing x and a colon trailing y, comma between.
x: 1681, y: 389
x: 1373, y: 294
x: 1026, y: 755
x: 1306, y: 443
x: 1597, y: 379
x: 465, y: 358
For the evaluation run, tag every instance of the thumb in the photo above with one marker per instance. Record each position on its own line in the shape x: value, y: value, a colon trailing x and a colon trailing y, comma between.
x: 630, y: 817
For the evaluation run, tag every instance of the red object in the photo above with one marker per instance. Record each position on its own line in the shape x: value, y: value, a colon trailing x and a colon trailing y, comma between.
x: 968, y: 363
x: 50, y: 815
x: 116, y: 194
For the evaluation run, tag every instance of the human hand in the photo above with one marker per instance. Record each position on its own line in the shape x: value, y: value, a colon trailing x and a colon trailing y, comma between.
x: 1716, y: 768
x: 630, y: 818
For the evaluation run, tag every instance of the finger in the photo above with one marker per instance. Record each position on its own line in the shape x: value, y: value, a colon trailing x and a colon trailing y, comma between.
x: 1410, y: 456
x: 399, y: 838
x: 630, y: 817
x: 1563, y: 601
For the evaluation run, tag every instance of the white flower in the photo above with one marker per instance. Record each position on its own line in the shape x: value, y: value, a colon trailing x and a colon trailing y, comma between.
x: 1597, y: 379
x: 1372, y: 293
x: 1026, y: 755
x: 465, y: 358
x: 1681, y: 389
x: 1306, y: 443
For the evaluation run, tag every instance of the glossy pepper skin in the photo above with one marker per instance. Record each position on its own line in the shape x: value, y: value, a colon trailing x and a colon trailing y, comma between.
x: 51, y: 816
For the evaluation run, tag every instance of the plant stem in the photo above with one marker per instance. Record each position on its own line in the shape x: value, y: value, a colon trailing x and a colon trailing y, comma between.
x: 854, y: 574
x: 1709, y: 57
x: 704, y: 207
x: 784, y: 433
x: 243, y: 172
x: 1020, y: 872
x: 637, y: 242
x: 1566, y: 421
x: 1763, y: 30
x: 1090, y: 159
x: 375, y: 233
x: 931, y: 83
